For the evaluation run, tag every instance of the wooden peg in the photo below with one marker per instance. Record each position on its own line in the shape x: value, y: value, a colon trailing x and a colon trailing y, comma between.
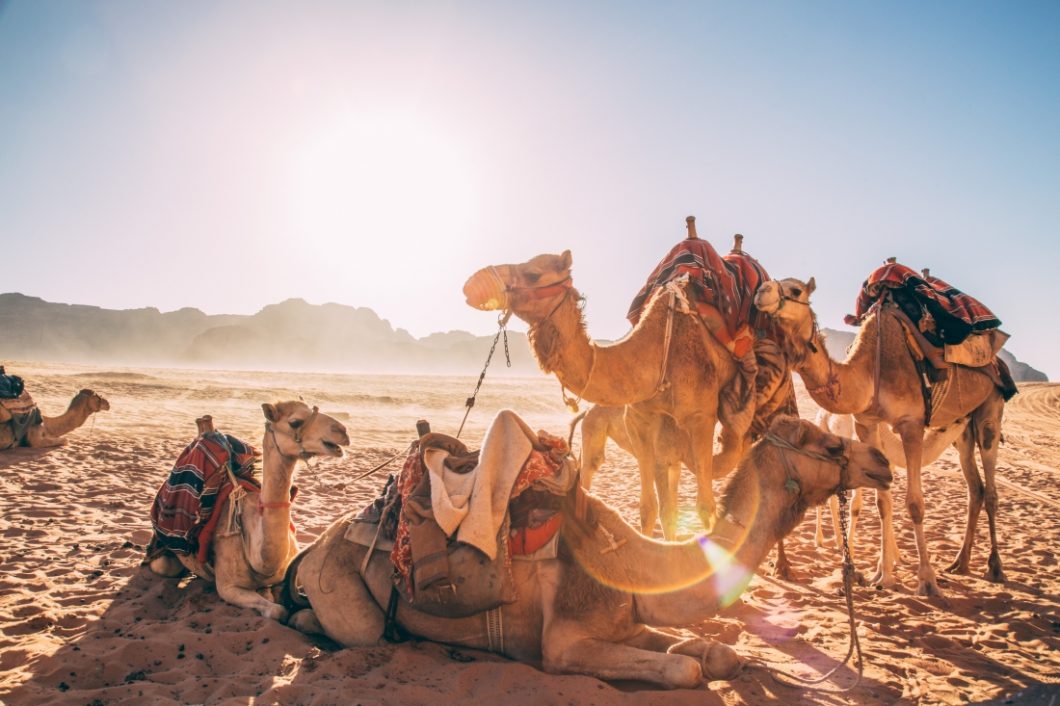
x: 737, y: 244
x: 690, y: 223
x: 926, y: 272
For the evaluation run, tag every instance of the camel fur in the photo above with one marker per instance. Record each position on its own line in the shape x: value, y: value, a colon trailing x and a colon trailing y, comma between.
x: 256, y: 556
x: 849, y: 387
x: 588, y: 611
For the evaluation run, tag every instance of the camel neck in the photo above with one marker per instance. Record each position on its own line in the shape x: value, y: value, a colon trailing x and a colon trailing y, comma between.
x: 623, y: 372
x: 75, y: 415
x: 840, y: 387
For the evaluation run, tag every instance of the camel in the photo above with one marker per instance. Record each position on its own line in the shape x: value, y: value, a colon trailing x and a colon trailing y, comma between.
x: 879, y: 383
x: 588, y: 611
x: 255, y: 554
x: 668, y: 365
x: 50, y: 430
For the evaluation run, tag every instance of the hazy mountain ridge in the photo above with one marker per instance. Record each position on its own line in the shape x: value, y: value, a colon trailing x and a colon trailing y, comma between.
x: 290, y: 335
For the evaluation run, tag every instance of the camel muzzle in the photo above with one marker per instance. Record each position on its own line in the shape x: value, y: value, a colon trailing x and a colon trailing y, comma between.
x: 485, y: 290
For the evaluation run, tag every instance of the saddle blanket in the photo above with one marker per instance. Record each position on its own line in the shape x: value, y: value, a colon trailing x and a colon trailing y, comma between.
x: 721, y: 285
x: 182, y: 514
x: 956, y: 314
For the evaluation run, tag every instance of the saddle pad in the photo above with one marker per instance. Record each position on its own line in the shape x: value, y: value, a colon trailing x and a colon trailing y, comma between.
x: 22, y: 404
x: 363, y: 533
x: 977, y: 350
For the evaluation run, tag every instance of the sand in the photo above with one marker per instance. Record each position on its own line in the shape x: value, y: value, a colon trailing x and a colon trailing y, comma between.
x: 82, y: 623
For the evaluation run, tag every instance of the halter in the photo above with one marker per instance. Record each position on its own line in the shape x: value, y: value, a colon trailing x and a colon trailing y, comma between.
x: 842, y: 461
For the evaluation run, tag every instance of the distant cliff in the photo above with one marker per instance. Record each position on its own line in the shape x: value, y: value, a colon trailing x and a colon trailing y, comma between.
x: 291, y: 335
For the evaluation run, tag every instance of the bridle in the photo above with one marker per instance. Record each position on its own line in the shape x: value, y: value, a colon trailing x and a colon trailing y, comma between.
x: 842, y: 461
x: 831, y: 388
x: 303, y: 455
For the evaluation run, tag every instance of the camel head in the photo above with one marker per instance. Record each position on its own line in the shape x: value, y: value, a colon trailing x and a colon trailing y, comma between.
x: 93, y: 400
x: 787, y: 300
x: 530, y: 289
x: 303, y: 432
x: 821, y: 463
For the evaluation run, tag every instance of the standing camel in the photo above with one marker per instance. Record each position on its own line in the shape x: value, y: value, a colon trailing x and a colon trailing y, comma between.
x: 50, y: 430
x: 669, y: 364
x: 879, y: 383
x: 255, y: 551
x: 588, y: 611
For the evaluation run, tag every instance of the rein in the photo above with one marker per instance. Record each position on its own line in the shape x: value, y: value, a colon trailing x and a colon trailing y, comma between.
x: 794, y: 680
x: 502, y: 322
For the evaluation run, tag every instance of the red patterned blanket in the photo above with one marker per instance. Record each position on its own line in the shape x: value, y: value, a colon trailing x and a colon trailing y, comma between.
x: 183, y: 514
x: 955, y: 313
x: 726, y: 285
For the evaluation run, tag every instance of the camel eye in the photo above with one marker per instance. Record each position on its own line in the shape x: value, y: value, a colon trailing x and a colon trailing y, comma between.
x: 834, y: 449
x: 295, y: 423
x: 796, y: 292
x: 532, y: 277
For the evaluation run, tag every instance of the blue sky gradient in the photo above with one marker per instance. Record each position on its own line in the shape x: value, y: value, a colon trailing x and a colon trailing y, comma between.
x: 228, y: 155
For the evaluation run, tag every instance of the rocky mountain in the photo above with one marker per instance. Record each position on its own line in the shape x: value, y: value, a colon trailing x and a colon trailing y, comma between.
x: 291, y: 335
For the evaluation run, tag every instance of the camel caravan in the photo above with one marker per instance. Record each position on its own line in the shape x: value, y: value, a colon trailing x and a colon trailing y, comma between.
x: 505, y: 548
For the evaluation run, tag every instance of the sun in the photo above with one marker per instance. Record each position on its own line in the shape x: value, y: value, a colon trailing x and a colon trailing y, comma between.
x: 371, y: 184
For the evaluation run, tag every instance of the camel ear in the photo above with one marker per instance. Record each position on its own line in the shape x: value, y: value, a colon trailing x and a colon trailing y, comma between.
x: 271, y: 413
x: 810, y: 286
x: 565, y: 260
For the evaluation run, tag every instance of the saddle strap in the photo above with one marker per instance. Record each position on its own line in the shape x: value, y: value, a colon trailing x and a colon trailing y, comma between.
x: 495, y: 630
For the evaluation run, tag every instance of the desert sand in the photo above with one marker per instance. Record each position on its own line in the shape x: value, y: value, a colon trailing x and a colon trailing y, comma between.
x: 82, y: 623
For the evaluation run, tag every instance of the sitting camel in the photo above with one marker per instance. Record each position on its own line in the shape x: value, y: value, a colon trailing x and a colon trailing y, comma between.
x: 879, y: 383
x: 588, y: 611
x: 256, y: 553
x: 50, y: 430
x: 668, y: 365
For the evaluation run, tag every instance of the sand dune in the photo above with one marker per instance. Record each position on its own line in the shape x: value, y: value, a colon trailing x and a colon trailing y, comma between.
x: 82, y: 623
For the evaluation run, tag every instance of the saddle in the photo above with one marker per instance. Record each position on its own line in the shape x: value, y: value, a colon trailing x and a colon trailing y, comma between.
x: 434, y: 570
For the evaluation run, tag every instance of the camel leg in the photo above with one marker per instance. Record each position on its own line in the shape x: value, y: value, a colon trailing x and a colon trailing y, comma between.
x: 988, y: 435
x: 718, y: 661
x: 667, y: 477
x: 250, y: 598
x: 594, y: 440
x: 857, y: 499
x: 870, y: 434
x: 700, y: 428
x: 567, y: 650
x: 782, y: 569
x: 819, y: 538
x: 732, y: 447
x: 643, y: 431
x: 911, y: 432
x: 37, y: 437
x: 966, y: 451
x: 167, y: 566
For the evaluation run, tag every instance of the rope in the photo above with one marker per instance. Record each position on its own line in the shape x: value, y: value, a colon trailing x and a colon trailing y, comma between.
x: 794, y: 680
x: 502, y: 321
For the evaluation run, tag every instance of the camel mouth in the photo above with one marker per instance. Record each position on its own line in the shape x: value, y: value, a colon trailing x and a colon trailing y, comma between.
x: 882, y: 478
x: 331, y: 449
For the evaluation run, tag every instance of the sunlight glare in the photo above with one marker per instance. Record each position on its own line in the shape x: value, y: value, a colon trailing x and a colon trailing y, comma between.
x: 372, y: 186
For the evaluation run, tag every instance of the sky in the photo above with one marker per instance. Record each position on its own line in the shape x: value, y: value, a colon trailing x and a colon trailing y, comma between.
x: 230, y: 155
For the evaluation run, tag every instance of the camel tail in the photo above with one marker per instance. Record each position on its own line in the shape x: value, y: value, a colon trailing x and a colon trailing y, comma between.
x: 291, y: 597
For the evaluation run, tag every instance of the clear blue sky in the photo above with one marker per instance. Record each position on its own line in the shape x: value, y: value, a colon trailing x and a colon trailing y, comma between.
x: 228, y: 155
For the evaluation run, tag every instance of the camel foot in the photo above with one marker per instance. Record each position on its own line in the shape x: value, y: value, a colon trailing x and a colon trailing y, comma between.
x: 822, y: 542
x: 306, y: 621
x: 882, y: 580
x: 275, y: 611
x: 721, y: 662
x: 994, y: 574
x: 929, y: 588
x: 167, y: 566
x: 707, y: 516
x: 784, y: 572
x: 959, y: 566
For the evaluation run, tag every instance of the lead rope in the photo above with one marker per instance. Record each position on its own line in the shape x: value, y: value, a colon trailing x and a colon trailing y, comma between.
x: 794, y: 680
x: 502, y: 322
